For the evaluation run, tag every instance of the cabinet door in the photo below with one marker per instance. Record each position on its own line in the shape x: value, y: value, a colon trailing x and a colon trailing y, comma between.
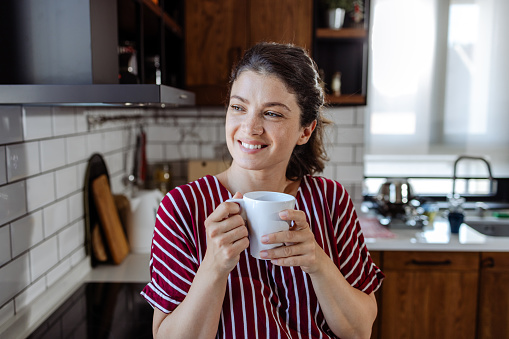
x: 494, y: 296
x: 429, y: 295
x: 377, y: 259
x: 218, y: 32
x: 284, y: 21
x: 216, y: 35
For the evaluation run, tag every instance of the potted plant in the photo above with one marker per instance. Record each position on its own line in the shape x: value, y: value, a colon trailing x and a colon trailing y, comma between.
x: 336, y: 10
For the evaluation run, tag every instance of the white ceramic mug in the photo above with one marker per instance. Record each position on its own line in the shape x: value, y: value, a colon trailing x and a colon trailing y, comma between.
x: 261, y: 211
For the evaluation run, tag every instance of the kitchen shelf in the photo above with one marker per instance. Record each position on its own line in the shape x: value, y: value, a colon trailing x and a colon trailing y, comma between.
x: 347, y: 99
x: 343, y: 33
x: 343, y: 50
x: 168, y: 20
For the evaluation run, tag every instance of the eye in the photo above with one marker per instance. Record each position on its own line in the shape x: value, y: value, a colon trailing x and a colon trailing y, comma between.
x: 236, y: 107
x: 273, y: 114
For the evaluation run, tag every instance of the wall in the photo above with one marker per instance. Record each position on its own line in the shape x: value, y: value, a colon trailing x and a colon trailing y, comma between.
x: 43, y: 159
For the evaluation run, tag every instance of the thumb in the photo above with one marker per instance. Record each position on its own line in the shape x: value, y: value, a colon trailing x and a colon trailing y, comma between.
x: 237, y: 195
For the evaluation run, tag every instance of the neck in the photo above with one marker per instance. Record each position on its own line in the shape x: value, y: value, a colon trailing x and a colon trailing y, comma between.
x: 237, y: 179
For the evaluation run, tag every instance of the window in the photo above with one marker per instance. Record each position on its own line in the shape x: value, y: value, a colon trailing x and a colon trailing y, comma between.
x: 438, y: 88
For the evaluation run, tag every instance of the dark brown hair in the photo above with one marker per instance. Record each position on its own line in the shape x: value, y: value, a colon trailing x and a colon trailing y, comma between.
x: 292, y: 65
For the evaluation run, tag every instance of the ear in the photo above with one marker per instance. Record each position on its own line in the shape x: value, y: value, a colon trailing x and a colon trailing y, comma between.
x: 306, y: 133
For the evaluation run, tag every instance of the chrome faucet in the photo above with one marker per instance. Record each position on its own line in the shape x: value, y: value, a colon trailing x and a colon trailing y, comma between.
x: 490, y: 176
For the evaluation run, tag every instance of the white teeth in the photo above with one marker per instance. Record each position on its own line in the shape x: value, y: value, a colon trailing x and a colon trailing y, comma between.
x: 251, y: 146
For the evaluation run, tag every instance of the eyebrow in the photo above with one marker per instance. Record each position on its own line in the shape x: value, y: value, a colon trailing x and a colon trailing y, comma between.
x: 267, y: 104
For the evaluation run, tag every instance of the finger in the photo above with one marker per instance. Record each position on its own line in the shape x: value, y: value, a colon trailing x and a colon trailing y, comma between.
x: 217, y: 228
x: 285, y: 251
x: 222, y: 212
x: 298, y: 217
x: 288, y: 237
x: 233, y: 235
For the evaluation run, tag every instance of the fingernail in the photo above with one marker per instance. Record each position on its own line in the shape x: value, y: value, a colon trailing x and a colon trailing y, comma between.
x: 263, y: 254
x: 264, y: 238
x: 283, y: 214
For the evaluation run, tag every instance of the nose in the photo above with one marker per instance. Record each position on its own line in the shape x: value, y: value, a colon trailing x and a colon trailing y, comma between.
x: 253, y: 124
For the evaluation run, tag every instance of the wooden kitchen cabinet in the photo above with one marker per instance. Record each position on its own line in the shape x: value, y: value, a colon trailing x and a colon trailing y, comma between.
x: 494, y: 296
x: 217, y: 32
x: 429, y: 295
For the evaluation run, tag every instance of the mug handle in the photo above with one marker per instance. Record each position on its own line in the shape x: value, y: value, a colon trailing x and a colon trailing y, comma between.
x: 242, y: 207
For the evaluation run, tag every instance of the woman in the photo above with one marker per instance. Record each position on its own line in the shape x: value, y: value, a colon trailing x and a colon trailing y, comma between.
x: 321, y: 284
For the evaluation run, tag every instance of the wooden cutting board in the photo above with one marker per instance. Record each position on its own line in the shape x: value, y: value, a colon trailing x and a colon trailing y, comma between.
x: 116, y: 240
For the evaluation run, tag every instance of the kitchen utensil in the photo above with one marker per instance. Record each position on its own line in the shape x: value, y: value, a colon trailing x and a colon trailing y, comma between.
x: 142, y: 219
x: 110, y: 221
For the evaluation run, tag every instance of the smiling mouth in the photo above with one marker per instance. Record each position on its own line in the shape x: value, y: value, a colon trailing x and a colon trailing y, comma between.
x: 249, y: 146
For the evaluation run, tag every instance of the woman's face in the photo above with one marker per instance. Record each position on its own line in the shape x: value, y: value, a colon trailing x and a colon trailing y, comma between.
x: 263, y: 122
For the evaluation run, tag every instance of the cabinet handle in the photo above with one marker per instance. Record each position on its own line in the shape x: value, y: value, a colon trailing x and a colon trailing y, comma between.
x: 488, y: 263
x: 430, y: 263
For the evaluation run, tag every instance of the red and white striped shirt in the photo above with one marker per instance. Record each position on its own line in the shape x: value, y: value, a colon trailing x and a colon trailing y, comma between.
x: 261, y: 299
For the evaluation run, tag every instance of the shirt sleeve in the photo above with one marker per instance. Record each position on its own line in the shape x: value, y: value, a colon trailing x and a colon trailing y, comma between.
x: 173, y: 260
x: 355, y: 262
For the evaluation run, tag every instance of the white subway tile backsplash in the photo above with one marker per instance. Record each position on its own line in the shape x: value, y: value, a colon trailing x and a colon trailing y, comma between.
x: 3, y: 166
x: 350, y: 135
x: 52, y: 154
x: 26, y: 297
x: 37, y: 122
x: 163, y: 133
x: 76, y: 209
x: 11, y: 124
x: 78, y: 256
x: 115, y: 162
x: 95, y: 143
x: 69, y: 239
x: 66, y: 181
x: 341, y: 154
x: 350, y: 173
x: 76, y: 149
x: 14, y: 277
x: 43, y: 257
x: 155, y: 153
x: 26, y: 233
x: 58, y: 272
x: 22, y: 160
x: 40, y: 191
x: 64, y: 120
x: 55, y: 217
x: 6, y: 312
x: 81, y: 120
x: 360, y: 114
x: 112, y: 141
x: 5, y: 244
x: 12, y: 202
x: 341, y: 116
x: 359, y: 154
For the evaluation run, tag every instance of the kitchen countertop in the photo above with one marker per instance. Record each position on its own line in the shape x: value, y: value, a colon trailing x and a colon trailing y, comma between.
x: 438, y: 238
x: 135, y: 267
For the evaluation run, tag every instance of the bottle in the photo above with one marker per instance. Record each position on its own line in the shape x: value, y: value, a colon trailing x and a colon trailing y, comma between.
x: 336, y: 84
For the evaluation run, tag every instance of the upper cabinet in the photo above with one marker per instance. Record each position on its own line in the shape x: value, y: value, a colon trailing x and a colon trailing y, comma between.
x: 343, y: 52
x: 218, y: 32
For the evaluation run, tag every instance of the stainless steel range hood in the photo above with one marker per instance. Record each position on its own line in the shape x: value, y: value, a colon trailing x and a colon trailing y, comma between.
x: 66, y: 53
x: 96, y: 95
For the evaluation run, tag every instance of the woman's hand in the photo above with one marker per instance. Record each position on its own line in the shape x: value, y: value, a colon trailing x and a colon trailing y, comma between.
x: 300, y: 247
x: 227, y: 237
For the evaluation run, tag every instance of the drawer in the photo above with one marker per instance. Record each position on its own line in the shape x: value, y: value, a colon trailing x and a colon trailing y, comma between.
x: 416, y: 260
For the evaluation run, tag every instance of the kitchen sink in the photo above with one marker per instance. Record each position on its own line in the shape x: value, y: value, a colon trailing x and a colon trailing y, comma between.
x: 498, y: 227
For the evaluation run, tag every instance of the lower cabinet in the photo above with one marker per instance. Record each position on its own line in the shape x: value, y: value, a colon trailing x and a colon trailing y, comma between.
x: 494, y: 296
x: 429, y: 295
